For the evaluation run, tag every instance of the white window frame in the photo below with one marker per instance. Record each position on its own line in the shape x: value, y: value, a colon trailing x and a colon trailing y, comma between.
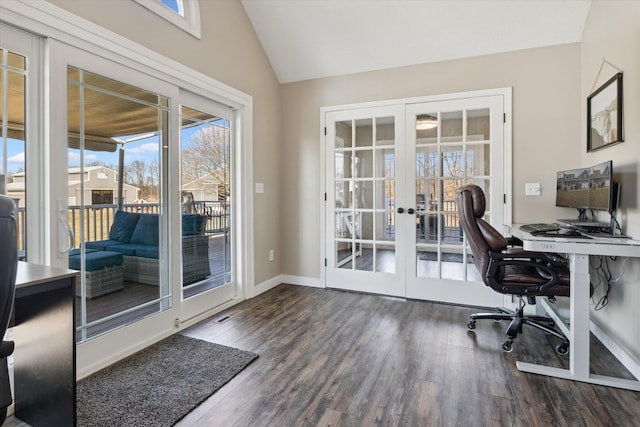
x: 189, y: 21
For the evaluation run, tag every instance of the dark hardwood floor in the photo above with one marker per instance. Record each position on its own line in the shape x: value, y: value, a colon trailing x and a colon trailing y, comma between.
x: 333, y: 358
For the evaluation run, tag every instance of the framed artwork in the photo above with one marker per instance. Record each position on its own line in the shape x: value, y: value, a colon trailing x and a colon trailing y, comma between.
x: 604, y: 115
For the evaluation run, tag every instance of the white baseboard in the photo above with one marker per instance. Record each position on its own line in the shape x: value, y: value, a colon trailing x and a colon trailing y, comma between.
x: 313, y: 282
x: 263, y: 287
x: 629, y: 362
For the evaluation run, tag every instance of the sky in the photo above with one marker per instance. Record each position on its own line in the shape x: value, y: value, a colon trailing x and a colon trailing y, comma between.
x: 145, y: 150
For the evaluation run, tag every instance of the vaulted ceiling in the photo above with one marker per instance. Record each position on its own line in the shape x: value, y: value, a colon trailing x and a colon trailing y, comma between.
x: 307, y: 39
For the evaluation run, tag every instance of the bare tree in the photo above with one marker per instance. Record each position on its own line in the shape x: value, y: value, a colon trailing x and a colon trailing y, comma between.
x: 206, y: 158
x: 145, y: 176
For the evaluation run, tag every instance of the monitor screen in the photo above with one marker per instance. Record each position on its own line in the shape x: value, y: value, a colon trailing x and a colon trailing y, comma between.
x: 572, y: 188
x: 601, y: 185
x: 586, y: 188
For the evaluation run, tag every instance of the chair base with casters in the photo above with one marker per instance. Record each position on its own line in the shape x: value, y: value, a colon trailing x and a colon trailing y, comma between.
x: 518, y: 319
x: 507, y: 268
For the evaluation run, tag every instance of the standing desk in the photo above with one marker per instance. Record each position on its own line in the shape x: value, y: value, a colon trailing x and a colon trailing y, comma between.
x: 577, y: 330
x: 44, y: 367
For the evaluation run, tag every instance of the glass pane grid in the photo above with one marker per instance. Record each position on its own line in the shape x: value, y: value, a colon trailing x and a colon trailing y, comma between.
x: 458, y: 144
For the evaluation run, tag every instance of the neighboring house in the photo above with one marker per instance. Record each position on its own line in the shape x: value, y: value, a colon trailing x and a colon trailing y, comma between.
x: 100, y: 187
x: 208, y: 188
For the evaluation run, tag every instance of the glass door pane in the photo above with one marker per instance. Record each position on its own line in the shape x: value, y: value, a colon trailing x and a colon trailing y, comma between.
x: 13, y: 173
x: 206, y: 198
x: 116, y: 155
x: 453, y: 143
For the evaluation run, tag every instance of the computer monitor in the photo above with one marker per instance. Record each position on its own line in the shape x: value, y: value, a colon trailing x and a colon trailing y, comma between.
x: 601, y: 194
x: 572, y: 189
x: 587, y: 188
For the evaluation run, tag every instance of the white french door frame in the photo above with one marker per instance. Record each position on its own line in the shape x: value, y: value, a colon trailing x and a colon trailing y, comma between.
x: 506, y: 175
x: 61, y: 29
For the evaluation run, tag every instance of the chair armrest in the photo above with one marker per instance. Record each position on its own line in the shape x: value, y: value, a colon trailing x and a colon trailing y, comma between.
x: 514, y: 241
x: 6, y: 349
x: 545, y: 264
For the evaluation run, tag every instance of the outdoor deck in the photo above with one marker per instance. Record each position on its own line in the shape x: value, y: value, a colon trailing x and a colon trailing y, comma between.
x: 141, y: 300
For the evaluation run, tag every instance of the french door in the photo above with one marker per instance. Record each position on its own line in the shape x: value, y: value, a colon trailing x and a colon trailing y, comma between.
x: 391, y: 179
x: 364, y: 183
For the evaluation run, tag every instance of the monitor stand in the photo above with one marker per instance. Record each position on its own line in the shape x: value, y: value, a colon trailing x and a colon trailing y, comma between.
x: 583, y: 222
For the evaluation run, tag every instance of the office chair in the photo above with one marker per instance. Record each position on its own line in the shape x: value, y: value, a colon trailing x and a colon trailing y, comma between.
x: 8, y: 268
x: 509, y: 269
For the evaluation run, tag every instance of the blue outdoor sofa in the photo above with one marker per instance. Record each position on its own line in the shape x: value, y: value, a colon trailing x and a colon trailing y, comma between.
x: 136, y: 237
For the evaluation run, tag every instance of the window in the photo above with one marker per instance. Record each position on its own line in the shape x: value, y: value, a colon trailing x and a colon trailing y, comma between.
x: 184, y: 14
x: 101, y: 197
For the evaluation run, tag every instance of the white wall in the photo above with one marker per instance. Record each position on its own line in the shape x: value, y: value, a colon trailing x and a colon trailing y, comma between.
x: 546, y: 130
x: 612, y: 32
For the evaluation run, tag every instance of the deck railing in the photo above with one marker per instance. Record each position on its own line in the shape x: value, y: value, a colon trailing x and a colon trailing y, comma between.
x: 98, y: 219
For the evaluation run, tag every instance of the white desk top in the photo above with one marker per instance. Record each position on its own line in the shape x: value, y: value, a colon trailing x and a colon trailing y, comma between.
x: 610, y: 246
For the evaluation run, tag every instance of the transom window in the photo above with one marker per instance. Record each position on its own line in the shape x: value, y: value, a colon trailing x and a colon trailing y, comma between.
x: 184, y: 14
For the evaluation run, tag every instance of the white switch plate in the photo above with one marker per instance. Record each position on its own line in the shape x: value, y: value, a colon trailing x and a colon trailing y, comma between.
x: 532, y: 189
x: 259, y: 187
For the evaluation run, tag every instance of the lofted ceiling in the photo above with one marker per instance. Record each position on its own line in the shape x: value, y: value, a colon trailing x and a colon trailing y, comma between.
x: 307, y: 39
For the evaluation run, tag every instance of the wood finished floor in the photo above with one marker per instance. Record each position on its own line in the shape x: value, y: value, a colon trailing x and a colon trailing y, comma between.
x: 333, y: 358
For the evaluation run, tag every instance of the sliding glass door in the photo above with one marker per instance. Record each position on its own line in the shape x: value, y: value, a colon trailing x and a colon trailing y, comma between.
x: 117, y: 148
x: 207, y: 201
x: 20, y: 144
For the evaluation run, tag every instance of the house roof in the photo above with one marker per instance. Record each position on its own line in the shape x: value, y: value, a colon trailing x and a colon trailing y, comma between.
x: 309, y: 39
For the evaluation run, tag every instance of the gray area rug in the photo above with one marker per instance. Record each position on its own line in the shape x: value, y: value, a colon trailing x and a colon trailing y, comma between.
x: 158, y: 385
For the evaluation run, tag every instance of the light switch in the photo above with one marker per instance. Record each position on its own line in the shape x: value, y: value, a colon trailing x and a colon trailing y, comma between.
x: 532, y: 189
x: 260, y: 187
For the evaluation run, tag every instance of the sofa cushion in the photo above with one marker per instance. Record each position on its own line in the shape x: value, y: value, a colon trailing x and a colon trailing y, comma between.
x: 96, y: 260
x: 146, y: 231
x: 101, y: 245
x: 123, y: 226
x: 128, y: 249
x: 193, y: 224
x: 78, y: 251
x: 148, y: 252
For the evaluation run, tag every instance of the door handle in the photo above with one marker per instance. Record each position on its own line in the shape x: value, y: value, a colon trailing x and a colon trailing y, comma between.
x: 400, y: 210
x: 67, y: 231
x: 410, y: 211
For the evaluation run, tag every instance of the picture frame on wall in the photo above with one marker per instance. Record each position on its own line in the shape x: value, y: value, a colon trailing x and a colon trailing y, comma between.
x: 604, y: 115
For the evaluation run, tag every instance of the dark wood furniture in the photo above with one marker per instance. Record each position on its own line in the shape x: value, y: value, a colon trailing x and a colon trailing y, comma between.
x: 45, y: 355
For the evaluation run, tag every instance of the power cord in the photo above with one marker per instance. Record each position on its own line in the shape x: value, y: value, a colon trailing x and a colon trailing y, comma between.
x: 603, y: 272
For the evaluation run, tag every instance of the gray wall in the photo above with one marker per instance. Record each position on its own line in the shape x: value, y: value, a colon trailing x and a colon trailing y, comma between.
x: 613, y: 33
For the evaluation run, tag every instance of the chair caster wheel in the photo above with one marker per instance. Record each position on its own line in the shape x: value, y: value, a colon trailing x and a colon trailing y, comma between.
x: 471, y: 325
x: 563, y: 348
x: 507, y: 346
